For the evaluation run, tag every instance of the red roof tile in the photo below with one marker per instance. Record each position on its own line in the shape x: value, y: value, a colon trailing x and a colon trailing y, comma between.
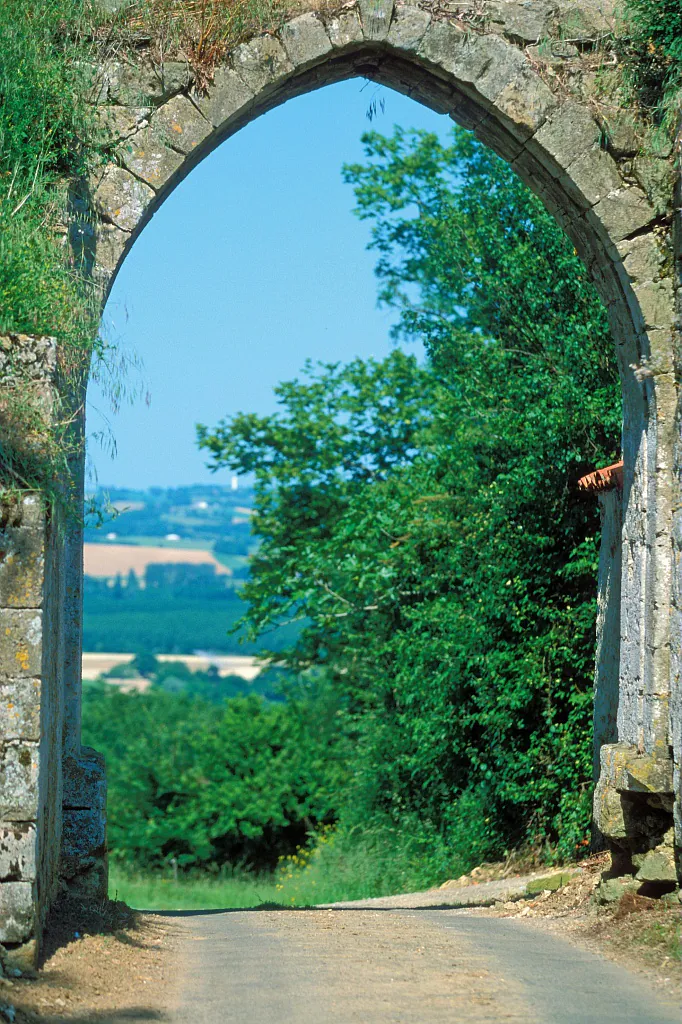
x: 603, y: 479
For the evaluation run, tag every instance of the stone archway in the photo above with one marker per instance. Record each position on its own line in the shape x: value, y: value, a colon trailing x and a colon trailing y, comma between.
x: 515, y: 75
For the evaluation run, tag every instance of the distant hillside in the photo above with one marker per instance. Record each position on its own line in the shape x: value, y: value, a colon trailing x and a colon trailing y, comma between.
x: 163, y: 570
x: 210, y: 517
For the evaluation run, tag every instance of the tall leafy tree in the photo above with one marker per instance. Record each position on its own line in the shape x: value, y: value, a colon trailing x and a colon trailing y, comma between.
x: 423, y: 521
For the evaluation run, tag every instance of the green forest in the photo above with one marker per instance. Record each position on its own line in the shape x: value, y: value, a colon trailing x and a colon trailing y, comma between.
x: 422, y: 537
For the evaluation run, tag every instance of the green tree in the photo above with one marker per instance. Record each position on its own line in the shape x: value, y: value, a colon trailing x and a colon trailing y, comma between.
x: 423, y: 522
x: 146, y: 663
x: 239, y: 784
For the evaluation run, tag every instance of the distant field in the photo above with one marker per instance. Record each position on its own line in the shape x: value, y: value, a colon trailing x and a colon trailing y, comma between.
x: 154, y: 541
x: 103, y: 560
x: 161, y: 624
x: 94, y: 664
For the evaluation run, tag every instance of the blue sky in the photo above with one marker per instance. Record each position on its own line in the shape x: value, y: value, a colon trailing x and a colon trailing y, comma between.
x: 253, y: 265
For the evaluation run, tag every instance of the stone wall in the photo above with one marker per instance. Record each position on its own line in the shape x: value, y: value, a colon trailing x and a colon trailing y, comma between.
x: 51, y: 793
x: 31, y: 706
x: 533, y: 82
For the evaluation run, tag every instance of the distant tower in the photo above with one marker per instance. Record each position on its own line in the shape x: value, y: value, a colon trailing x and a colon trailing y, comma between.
x: 234, y: 483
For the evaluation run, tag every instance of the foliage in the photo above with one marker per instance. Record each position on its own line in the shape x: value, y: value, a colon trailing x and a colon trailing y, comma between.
x: 238, y: 784
x: 425, y: 520
x: 176, y: 677
x: 47, y: 142
x: 651, y: 53
x: 145, y: 663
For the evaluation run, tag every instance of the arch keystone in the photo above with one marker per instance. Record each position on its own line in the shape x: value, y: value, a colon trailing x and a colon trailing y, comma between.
x: 376, y: 18
x: 345, y: 29
x: 408, y: 27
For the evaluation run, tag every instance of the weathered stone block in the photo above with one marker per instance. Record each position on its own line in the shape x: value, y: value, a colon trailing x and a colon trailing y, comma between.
x: 84, y: 781
x: 180, y: 124
x: 22, y: 562
x: 142, y: 85
x: 592, y: 177
x: 466, y: 112
x: 17, y: 912
x: 527, y: 102
x: 657, y: 303
x: 111, y: 243
x: 21, y: 647
x: 17, y: 852
x: 610, y: 890
x: 621, y: 214
x: 376, y: 18
x: 345, y: 29
x: 451, y: 49
x: 657, y: 178
x: 305, y: 40
x: 227, y: 95
x: 491, y: 133
x: 608, y: 812
x: 92, y: 883
x: 121, y: 198
x: 621, y: 133
x: 120, y: 123
x: 661, y: 361
x: 149, y: 158
x: 585, y: 21
x: 20, y: 709
x: 567, y: 134
x: 261, y: 62
x: 628, y: 771
x: 657, y: 865
x: 504, y: 65
x: 18, y: 781
x: 643, y: 257
x: 408, y: 27
x: 525, y: 22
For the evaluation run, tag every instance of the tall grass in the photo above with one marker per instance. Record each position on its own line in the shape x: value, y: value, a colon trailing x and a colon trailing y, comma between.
x: 339, y: 866
x: 191, y: 892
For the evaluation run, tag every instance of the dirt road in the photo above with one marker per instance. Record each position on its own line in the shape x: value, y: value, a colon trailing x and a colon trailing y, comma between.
x: 374, y: 966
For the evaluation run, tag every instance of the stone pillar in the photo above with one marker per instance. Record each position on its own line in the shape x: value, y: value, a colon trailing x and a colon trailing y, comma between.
x: 51, y: 792
x: 633, y: 800
x: 607, y: 664
x: 31, y: 700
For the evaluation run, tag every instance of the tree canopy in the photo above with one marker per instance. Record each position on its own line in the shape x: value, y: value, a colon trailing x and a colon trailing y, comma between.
x: 421, y: 519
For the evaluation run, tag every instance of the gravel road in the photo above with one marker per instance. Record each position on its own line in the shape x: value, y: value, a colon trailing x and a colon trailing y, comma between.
x: 396, y: 966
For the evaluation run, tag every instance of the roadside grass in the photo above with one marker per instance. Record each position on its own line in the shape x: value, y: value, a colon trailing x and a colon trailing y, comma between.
x: 340, y: 866
x: 192, y: 892
x: 651, y: 929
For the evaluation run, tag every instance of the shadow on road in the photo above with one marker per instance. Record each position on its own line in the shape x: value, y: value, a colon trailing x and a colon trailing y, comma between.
x: 284, y: 908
